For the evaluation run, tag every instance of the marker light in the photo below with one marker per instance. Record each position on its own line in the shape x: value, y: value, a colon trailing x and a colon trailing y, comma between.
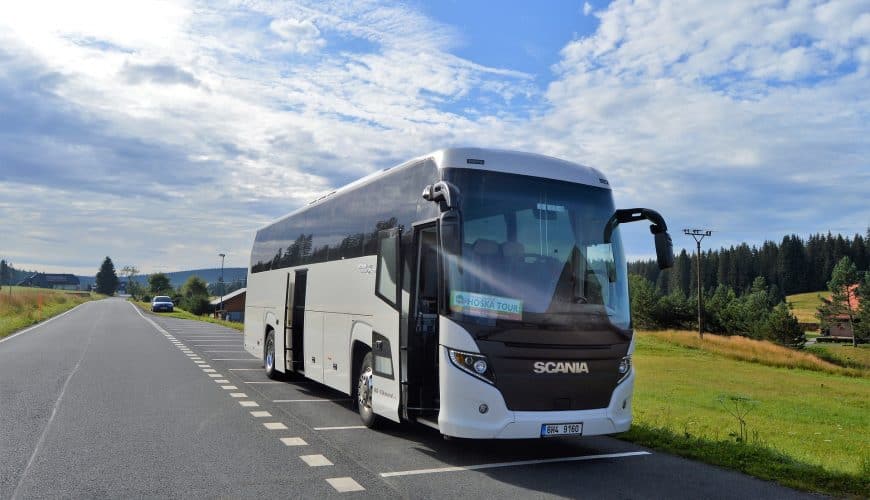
x: 473, y: 364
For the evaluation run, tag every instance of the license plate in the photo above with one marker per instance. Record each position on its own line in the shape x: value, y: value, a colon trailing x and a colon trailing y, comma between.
x: 548, y: 430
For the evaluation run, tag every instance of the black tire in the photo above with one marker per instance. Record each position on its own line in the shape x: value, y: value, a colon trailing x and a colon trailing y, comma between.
x: 363, y: 393
x: 269, y: 356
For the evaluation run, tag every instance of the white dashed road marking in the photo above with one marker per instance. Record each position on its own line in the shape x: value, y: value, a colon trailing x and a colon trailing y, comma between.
x: 249, y: 404
x: 229, y: 387
x: 513, y: 464
x: 238, y: 395
x: 236, y: 359
x: 315, y: 460
x: 274, y: 426
x: 294, y: 441
x: 225, y: 351
x: 260, y: 414
x: 344, y: 484
x: 245, y: 369
x: 209, y: 370
x: 222, y: 381
x: 339, y: 428
x: 215, y: 375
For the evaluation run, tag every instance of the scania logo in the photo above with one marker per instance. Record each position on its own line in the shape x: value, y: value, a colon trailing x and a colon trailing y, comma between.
x: 561, y: 367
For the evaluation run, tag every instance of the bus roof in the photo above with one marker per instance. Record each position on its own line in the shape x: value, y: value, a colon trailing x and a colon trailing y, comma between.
x: 493, y: 160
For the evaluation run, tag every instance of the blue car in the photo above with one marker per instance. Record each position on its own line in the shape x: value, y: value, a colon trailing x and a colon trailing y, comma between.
x: 162, y: 303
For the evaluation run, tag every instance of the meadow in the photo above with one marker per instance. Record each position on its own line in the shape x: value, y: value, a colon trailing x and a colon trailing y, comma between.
x: 21, y: 307
x: 806, y: 423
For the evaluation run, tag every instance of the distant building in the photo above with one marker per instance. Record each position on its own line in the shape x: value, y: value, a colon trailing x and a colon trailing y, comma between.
x: 838, y: 325
x: 234, y: 305
x: 56, y: 281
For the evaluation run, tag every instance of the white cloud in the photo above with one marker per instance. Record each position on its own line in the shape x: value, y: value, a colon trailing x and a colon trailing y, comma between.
x: 300, y: 36
x: 736, y: 115
x: 587, y: 8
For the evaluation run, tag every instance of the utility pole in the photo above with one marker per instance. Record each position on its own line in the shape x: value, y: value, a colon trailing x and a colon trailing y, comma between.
x: 222, y: 282
x: 698, y: 235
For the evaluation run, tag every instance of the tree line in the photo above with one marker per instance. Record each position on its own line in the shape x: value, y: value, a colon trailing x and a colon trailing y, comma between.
x: 792, y: 266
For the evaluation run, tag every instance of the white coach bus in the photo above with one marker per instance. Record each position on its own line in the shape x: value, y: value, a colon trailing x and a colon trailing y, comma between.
x: 492, y: 305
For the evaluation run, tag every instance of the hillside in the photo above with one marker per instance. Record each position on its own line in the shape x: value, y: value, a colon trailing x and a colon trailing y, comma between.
x: 178, y: 278
x: 804, y: 305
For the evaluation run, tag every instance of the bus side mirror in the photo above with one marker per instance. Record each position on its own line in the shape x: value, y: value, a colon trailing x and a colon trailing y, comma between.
x: 664, y: 249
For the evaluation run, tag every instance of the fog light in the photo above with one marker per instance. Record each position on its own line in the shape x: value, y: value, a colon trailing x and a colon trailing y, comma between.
x: 480, y: 366
x: 483, y: 408
x: 623, y: 366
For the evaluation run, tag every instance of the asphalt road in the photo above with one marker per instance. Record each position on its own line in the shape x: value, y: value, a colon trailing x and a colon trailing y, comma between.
x: 107, y: 402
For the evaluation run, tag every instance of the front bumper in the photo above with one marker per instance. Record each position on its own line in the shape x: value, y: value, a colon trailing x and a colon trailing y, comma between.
x: 460, y: 414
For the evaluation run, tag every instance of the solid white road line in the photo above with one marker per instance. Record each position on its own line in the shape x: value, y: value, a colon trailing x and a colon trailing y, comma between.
x: 315, y: 460
x: 344, y: 484
x: 260, y: 414
x: 513, y: 464
x: 274, y: 426
x: 339, y: 428
x: 248, y: 404
x: 294, y: 441
x: 307, y: 400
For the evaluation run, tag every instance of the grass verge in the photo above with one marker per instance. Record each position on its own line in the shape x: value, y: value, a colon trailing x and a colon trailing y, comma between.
x: 21, y: 307
x: 182, y: 314
x: 753, y: 459
x: 806, y: 428
x: 757, y: 351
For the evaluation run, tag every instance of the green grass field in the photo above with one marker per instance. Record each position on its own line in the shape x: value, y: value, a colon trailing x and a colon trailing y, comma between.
x: 21, y: 307
x: 805, y: 305
x: 816, y: 419
x: 182, y: 314
x: 844, y: 354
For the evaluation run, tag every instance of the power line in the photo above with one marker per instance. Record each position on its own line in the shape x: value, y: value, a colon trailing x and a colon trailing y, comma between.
x: 698, y: 235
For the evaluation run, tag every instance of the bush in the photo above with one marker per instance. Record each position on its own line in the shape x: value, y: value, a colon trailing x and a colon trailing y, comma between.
x: 196, y: 305
x: 783, y: 328
x: 146, y: 298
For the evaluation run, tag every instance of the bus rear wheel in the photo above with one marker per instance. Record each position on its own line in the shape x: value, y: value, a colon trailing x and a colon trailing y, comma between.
x: 364, y: 392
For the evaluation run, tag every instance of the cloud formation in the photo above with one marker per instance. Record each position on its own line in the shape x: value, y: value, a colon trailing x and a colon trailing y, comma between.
x: 164, y: 133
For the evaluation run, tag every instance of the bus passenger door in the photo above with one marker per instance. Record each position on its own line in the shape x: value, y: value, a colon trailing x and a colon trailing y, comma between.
x: 422, y: 349
x: 295, y: 321
x: 385, y: 335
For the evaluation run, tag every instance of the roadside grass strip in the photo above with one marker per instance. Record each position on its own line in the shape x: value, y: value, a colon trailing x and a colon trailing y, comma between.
x: 496, y: 465
x: 344, y: 484
x: 315, y: 460
x: 802, y: 427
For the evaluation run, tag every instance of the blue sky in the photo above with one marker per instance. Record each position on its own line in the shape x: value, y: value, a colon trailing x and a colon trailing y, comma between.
x: 162, y: 133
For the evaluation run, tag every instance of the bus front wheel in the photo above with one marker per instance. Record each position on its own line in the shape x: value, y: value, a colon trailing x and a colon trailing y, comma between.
x: 364, y: 392
x: 269, y: 356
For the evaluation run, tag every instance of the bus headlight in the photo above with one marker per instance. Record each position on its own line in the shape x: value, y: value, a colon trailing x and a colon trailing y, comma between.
x: 624, y: 368
x: 473, y: 364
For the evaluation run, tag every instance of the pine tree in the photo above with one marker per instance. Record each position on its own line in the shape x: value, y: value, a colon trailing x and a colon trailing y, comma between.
x: 783, y: 328
x: 107, y: 279
x: 862, y: 325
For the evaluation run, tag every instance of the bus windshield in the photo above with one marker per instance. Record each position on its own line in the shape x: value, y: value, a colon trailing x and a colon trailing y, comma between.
x: 533, y: 251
